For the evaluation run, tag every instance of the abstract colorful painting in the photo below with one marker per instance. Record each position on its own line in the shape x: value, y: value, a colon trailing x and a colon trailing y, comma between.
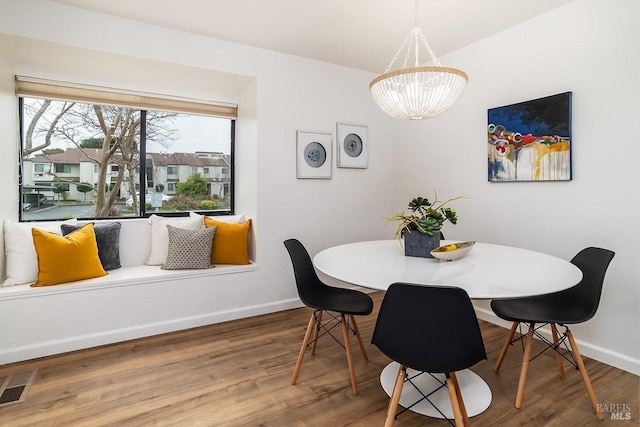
x: 531, y: 140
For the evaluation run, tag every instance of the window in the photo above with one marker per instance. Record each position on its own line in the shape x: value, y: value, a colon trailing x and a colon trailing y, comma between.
x: 38, y: 168
x: 62, y: 168
x: 164, y: 142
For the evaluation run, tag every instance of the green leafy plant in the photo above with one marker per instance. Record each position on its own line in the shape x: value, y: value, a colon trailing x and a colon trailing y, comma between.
x: 208, y: 204
x: 84, y: 187
x: 425, y: 216
x: 194, y: 186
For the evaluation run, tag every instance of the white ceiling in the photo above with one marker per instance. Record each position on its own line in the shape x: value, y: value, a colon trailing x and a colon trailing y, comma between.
x: 362, y: 34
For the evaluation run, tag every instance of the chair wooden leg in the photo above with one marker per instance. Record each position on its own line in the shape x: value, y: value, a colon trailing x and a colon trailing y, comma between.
x: 360, y: 343
x: 525, y: 365
x: 585, y: 376
x: 554, y: 332
x: 316, y: 332
x: 455, y: 402
x: 506, y: 346
x: 395, y: 397
x: 347, y: 349
x: 463, y: 409
x: 305, y: 341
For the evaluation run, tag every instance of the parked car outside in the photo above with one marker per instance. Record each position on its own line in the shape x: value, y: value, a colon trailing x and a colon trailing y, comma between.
x: 26, y: 206
x: 147, y: 198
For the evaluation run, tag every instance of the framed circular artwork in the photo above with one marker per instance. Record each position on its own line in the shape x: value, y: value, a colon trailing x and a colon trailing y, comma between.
x: 314, y: 154
x: 352, y: 145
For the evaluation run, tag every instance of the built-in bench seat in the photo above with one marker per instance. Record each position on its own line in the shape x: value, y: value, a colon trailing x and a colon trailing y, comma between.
x: 123, y: 276
x: 133, y: 301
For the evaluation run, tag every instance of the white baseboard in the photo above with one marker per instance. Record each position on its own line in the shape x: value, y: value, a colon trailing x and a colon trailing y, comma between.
x: 52, y: 347
x: 595, y: 352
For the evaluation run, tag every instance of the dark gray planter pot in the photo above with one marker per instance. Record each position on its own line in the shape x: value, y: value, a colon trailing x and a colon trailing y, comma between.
x: 419, y: 244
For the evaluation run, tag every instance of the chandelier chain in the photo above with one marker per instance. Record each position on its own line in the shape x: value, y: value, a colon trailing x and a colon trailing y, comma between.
x: 412, y: 42
x: 395, y: 57
x: 431, y: 52
x: 416, y: 50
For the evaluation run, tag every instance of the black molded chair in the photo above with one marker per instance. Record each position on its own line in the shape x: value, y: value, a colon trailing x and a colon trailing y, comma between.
x: 575, y: 305
x: 340, y: 304
x: 431, y: 329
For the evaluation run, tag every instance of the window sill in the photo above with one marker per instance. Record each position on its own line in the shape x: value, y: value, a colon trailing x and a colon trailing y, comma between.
x: 124, y: 276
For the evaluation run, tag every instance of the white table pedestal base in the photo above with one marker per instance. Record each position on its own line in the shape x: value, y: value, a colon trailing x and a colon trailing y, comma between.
x: 475, y: 392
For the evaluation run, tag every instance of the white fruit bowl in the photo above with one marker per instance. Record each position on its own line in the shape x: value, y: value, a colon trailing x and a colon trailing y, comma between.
x: 452, y: 251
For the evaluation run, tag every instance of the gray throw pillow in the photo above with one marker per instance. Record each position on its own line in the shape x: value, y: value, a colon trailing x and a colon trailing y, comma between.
x: 108, y: 240
x: 189, y: 249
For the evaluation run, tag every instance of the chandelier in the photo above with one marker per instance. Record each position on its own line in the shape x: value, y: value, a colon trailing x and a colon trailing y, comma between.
x: 417, y: 92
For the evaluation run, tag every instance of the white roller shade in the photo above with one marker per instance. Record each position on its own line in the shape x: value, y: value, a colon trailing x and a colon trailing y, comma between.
x: 36, y: 88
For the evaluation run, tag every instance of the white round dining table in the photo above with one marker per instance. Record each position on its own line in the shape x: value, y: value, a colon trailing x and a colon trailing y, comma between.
x: 488, y: 271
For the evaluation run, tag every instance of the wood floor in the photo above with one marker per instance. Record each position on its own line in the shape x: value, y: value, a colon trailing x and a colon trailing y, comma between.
x: 238, y: 373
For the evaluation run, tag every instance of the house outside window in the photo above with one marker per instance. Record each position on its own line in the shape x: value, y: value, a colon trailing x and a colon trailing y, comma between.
x: 169, y: 144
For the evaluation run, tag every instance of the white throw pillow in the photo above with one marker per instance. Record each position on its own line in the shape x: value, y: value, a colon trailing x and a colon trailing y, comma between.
x: 233, y: 219
x: 160, y: 235
x: 20, y: 252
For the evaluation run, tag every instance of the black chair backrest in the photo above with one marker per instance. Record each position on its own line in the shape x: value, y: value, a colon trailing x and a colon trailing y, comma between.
x: 429, y: 328
x: 310, y: 287
x: 585, y: 296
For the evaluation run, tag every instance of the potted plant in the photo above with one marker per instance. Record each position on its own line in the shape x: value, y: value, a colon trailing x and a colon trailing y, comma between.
x: 421, y: 227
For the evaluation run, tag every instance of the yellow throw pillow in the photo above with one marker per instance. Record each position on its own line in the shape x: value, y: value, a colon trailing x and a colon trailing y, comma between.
x: 231, y: 243
x: 67, y: 258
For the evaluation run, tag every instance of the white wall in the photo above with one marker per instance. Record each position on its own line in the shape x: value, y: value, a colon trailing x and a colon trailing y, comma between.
x: 277, y: 94
x: 587, y: 47
x: 571, y: 48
